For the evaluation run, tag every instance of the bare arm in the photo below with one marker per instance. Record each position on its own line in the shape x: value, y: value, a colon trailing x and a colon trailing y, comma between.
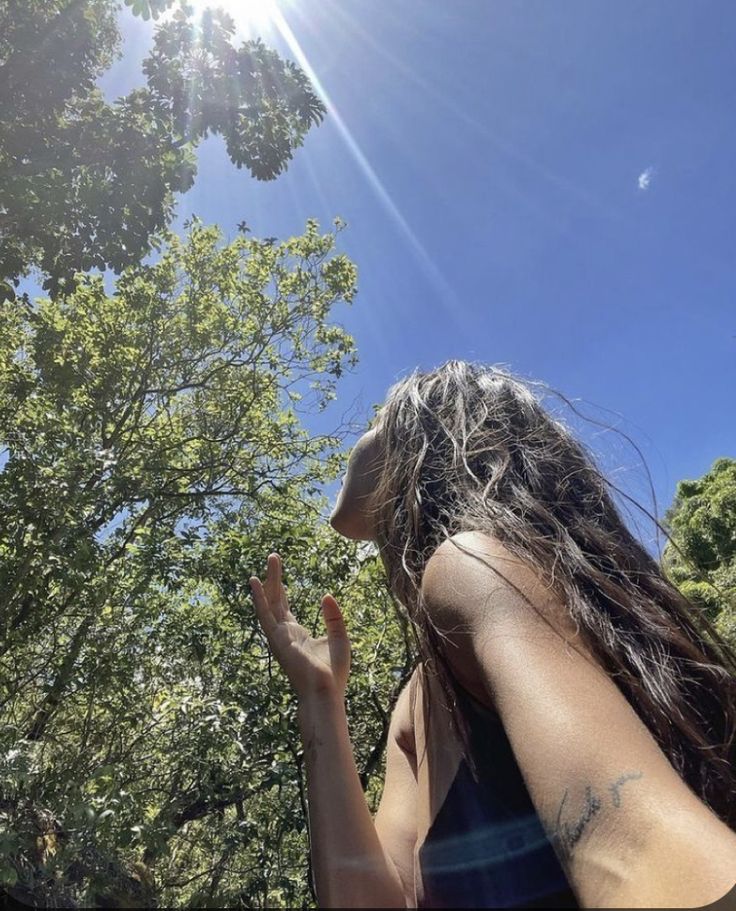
x: 628, y: 830
x: 351, y: 867
x: 396, y: 817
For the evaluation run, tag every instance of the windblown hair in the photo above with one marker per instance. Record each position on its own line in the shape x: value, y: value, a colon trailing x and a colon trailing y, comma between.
x: 469, y: 447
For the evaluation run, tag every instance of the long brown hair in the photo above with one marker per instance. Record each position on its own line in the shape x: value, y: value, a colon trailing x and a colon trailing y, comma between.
x: 470, y: 447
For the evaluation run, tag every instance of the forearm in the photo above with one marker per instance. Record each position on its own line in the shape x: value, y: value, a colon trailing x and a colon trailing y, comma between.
x: 627, y: 828
x: 351, y: 869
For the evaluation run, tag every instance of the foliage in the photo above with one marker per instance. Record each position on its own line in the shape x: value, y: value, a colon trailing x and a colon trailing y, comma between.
x: 153, y: 457
x: 148, y: 8
x: 702, y: 521
x: 88, y: 184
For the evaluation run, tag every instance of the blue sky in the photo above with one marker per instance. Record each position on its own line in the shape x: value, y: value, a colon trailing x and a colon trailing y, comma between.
x: 545, y: 185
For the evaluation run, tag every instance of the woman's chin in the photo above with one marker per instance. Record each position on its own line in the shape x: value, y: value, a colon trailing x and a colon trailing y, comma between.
x: 348, y: 528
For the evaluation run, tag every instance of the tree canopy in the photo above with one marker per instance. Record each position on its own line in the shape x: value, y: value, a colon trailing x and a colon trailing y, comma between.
x: 89, y: 184
x: 702, y: 559
x: 154, y: 456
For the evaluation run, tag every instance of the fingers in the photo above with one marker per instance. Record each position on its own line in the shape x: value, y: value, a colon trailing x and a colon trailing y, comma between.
x: 263, y: 608
x: 275, y: 591
x: 333, y: 618
x: 273, y: 578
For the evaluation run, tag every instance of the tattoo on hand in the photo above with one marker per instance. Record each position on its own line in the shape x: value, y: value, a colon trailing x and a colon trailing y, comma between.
x: 566, y: 833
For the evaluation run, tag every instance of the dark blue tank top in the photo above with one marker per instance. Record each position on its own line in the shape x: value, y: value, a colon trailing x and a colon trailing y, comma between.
x: 486, y: 847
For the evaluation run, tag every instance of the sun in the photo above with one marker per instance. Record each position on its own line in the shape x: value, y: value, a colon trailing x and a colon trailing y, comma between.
x: 252, y: 16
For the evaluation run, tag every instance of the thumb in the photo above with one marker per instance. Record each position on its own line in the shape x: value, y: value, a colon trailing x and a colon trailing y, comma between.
x: 333, y: 618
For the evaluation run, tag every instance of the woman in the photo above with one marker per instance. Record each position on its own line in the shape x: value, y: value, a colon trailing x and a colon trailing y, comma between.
x: 568, y: 737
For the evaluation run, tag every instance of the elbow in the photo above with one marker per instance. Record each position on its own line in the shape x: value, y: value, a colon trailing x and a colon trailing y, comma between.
x: 692, y: 867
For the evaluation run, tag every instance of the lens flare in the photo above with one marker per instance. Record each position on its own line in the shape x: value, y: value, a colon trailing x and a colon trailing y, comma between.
x: 254, y: 17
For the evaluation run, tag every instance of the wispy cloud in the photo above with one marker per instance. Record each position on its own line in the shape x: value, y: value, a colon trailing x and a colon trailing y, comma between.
x: 645, y: 178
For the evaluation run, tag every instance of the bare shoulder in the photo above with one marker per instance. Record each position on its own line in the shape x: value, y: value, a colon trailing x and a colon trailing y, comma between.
x: 473, y: 587
x: 396, y: 816
x: 618, y: 813
x: 473, y: 563
x: 401, y: 727
x: 473, y: 572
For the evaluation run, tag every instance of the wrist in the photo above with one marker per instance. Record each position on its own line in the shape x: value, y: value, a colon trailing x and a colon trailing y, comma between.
x: 320, y: 705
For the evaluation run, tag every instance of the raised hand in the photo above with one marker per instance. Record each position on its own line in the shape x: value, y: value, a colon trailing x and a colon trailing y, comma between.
x: 313, y: 666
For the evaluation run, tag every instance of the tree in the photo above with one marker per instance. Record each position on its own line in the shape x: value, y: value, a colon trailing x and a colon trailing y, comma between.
x: 153, y: 456
x: 702, y: 521
x: 126, y: 415
x: 90, y: 185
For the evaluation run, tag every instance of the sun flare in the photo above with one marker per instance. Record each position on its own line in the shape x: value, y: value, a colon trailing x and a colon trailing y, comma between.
x: 253, y: 16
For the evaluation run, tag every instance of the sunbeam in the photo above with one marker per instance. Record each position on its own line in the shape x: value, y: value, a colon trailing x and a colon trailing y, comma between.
x: 253, y: 17
x: 261, y: 17
x: 445, y: 291
x: 454, y: 109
